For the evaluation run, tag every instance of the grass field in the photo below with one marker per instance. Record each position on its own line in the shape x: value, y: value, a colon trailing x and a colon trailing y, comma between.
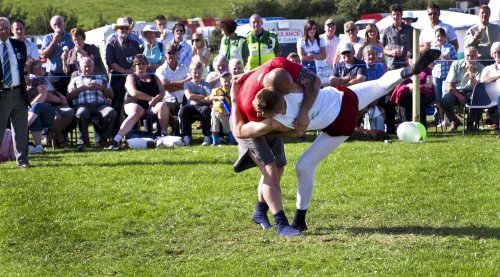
x: 88, y: 10
x: 378, y: 209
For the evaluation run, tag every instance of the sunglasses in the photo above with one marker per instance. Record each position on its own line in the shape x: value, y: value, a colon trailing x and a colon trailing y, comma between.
x: 196, y: 40
x: 350, y: 30
x: 172, y: 52
x: 123, y: 28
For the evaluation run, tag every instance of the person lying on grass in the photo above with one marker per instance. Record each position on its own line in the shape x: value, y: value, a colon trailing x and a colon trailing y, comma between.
x: 335, y: 112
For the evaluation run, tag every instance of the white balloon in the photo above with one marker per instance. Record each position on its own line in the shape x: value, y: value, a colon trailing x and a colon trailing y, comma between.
x: 408, y: 132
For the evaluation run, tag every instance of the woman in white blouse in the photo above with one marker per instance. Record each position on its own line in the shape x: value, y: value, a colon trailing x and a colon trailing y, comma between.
x: 310, y: 46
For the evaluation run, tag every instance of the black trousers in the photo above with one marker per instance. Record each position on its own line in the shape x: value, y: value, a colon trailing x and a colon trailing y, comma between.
x: 190, y: 113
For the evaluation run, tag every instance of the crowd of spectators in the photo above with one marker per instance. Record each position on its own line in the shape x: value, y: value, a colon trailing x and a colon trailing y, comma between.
x: 160, y: 75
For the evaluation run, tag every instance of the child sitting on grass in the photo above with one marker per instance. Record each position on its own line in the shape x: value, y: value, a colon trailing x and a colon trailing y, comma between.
x: 221, y: 111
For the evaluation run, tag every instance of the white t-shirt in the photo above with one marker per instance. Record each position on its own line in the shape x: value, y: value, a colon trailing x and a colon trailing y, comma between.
x: 428, y: 35
x: 324, y: 111
x: 314, y: 48
x: 331, y: 47
x: 180, y: 73
x: 491, y: 71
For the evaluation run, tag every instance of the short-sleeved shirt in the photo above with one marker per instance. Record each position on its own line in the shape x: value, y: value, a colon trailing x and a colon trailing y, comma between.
x: 394, y: 36
x: 89, y: 97
x: 253, y: 84
x: 314, y: 48
x: 460, y: 77
x: 331, y: 47
x: 492, y: 70
x: 217, y: 104
x: 122, y: 53
x: 357, y: 68
x: 164, y: 72
x: 427, y: 34
x: 54, y: 62
x: 203, y: 88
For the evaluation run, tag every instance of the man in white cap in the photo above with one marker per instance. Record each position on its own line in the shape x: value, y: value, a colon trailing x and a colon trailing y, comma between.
x: 332, y: 41
x: 120, y: 53
x: 350, y: 70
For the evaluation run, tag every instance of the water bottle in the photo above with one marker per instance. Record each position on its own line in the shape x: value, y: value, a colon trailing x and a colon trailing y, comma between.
x: 226, y: 106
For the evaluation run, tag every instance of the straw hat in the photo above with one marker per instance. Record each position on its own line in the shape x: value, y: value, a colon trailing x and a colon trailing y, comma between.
x: 121, y: 22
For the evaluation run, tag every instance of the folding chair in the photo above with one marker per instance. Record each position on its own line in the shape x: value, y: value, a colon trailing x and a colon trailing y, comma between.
x: 484, y: 96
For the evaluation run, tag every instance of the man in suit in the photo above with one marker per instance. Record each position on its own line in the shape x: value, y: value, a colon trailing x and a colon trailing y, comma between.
x: 13, y: 102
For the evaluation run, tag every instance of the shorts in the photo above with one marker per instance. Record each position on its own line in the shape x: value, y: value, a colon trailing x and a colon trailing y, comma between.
x: 220, y: 122
x: 265, y: 149
x: 346, y: 121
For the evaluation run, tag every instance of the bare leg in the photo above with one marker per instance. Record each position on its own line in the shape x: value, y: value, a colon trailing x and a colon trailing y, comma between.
x: 163, y: 112
x: 134, y: 113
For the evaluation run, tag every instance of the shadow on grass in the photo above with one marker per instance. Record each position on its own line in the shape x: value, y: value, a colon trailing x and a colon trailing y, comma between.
x: 141, y: 163
x: 473, y: 231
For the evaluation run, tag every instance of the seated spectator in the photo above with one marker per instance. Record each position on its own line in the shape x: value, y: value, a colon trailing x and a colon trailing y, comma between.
x: 40, y: 114
x: 153, y: 50
x: 441, y: 69
x: 491, y: 74
x: 91, y: 94
x: 63, y: 112
x: 463, y: 76
x: 294, y: 57
x: 310, y: 46
x: 196, y: 92
x: 235, y: 67
x: 351, y: 36
x: 201, y: 53
x: 71, y: 58
x: 221, y: 111
x: 374, y: 68
x: 372, y: 37
x: 220, y: 65
x: 350, y: 71
x: 403, y: 93
x: 173, y: 76
x: 144, y: 94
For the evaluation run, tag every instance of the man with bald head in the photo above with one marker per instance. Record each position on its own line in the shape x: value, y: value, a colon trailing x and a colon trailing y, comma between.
x: 52, y: 49
x: 262, y: 45
x: 267, y: 152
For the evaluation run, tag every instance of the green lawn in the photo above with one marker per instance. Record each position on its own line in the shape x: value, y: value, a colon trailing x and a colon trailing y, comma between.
x: 88, y: 10
x: 378, y: 209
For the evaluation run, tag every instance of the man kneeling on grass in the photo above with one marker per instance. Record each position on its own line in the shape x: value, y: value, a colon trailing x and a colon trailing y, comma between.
x: 335, y: 112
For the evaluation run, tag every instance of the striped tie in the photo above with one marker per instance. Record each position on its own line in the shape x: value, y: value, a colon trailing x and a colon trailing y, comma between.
x: 7, y: 74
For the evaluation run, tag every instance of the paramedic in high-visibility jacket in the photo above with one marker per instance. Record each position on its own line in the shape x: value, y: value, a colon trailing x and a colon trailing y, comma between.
x: 262, y: 45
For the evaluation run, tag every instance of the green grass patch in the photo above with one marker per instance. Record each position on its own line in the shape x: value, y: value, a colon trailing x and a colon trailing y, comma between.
x: 378, y: 209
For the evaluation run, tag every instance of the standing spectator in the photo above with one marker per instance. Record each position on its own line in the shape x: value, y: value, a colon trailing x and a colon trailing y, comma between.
x: 71, y: 59
x: 63, y: 112
x: 220, y: 116
x: 441, y: 69
x: 19, y: 31
x: 231, y: 45
x: 153, y: 50
x: 201, y: 53
x: 119, y: 55
x: 262, y: 44
x: 131, y: 35
x: 220, y: 65
x: 173, y: 76
x: 372, y: 37
x: 166, y: 35
x: 463, y: 76
x: 310, y: 46
x: 52, y: 49
x: 90, y: 94
x: 13, y: 101
x: 144, y: 94
x: 427, y: 33
x: 331, y: 41
x: 350, y: 71
x: 397, y: 39
x: 196, y: 92
x: 351, y: 36
x: 483, y: 35
x: 184, y: 49
x: 409, y: 18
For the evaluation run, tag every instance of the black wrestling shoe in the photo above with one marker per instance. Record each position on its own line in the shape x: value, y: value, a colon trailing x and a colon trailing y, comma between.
x: 421, y: 64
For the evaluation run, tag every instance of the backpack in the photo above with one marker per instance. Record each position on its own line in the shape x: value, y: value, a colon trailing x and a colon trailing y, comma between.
x: 7, y: 147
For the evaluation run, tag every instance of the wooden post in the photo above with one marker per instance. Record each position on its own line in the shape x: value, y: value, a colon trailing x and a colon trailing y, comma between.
x: 416, y: 79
